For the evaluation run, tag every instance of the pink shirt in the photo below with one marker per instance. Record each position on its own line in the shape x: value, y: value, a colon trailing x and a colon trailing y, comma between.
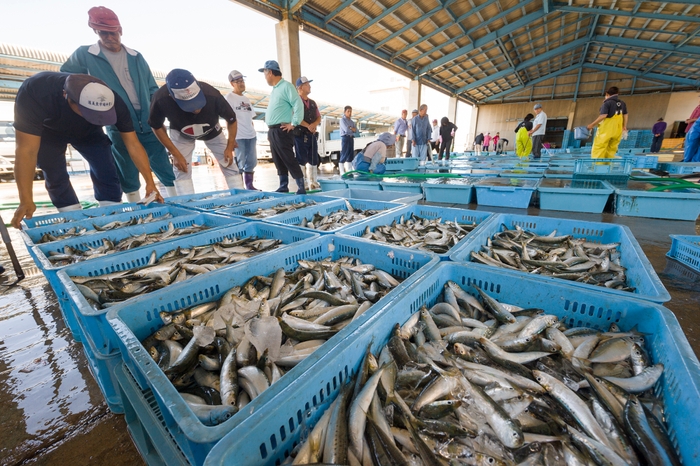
x: 487, y: 140
x: 695, y: 114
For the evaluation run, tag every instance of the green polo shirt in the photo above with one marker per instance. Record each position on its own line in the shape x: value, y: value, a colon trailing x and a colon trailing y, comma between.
x: 285, y: 105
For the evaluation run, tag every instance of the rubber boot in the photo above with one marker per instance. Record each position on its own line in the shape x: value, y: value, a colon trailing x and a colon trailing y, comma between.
x: 284, y: 184
x: 106, y: 203
x: 170, y: 191
x: 70, y: 208
x: 348, y: 166
x: 314, y: 178
x: 248, y: 178
x: 307, y: 178
x: 184, y: 187
x: 133, y: 196
x: 341, y: 168
x: 300, y: 185
x: 234, y: 182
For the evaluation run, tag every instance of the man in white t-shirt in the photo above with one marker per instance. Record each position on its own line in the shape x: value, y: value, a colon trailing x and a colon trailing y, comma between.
x: 246, y: 153
x: 537, y: 132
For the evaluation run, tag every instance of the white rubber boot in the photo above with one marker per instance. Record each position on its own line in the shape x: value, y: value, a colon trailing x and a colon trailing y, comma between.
x: 235, y: 182
x: 106, y: 203
x: 170, y: 191
x: 184, y: 187
x: 314, y: 178
x: 308, y: 179
x: 341, y: 168
x: 133, y: 196
x: 70, y: 208
x: 348, y: 166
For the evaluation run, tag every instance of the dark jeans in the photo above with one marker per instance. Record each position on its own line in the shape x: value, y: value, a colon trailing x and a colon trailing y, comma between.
x: 537, y: 146
x: 656, y: 144
x: 306, y: 148
x: 445, y: 147
x: 103, y: 171
x: 127, y: 171
x: 282, y: 149
x: 347, y: 148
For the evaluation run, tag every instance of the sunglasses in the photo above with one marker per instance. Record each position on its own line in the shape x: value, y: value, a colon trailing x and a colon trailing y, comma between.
x: 107, y: 33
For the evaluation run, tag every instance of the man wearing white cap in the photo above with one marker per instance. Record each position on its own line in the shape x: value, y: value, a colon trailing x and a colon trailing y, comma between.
x: 126, y: 72
x: 193, y: 109
x: 53, y: 110
x: 305, y: 135
x: 246, y: 138
x: 537, y: 132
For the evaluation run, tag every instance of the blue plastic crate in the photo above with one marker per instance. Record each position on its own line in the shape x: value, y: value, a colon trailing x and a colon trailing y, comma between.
x: 85, y: 214
x: 522, y: 173
x: 371, y: 195
x: 140, y: 319
x: 643, y: 161
x: 241, y: 211
x: 402, y: 186
x: 332, y: 184
x: 238, y: 197
x: 102, y: 369
x: 686, y: 249
x: 33, y: 235
x: 396, y: 164
x: 679, y: 168
x: 462, y: 216
x: 598, y: 167
x: 267, y: 437
x: 640, y: 273
x: 574, y: 195
x: 374, y: 184
x: 505, y: 192
x: 186, y: 199
x: 93, y: 322
x: 674, y: 205
x: 559, y: 173
x: 295, y: 218
x: 450, y: 193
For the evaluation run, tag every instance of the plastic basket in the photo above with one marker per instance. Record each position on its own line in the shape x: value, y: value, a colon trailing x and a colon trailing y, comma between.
x: 643, y: 161
x: 364, y: 184
x: 241, y: 211
x: 686, y: 249
x: 514, y: 192
x: 370, y: 195
x: 187, y: 199
x: 238, y: 197
x: 139, y: 320
x: 33, y: 235
x: 332, y: 184
x: 85, y: 214
x: 102, y: 368
x: 267, y: 437
x: 522, y: 173
x: 674, y: 205
x: 449, y: 193
x: 559, y: 173
x: 425, y: 211
x: 401, y: 164
x: 405, y: 187
x: 295, y: 218
x: 679, y: 168
x: 640, y: 273
x: 575, y: 196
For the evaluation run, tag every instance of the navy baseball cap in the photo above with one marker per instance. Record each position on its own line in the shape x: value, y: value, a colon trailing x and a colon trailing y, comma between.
x: 303, y: 80
x: 95, y: 99
x: 185, y: 90
x: 270, y: 65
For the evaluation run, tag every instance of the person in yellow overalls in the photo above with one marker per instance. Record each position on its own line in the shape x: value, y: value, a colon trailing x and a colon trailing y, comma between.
x: 613, y: 121
x: 523, y: 141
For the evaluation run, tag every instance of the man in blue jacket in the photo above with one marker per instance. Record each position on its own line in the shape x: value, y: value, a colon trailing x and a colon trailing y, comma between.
x: 125, y: 71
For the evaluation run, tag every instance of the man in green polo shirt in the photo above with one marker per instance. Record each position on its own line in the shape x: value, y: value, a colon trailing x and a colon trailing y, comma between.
x: 284, y: 112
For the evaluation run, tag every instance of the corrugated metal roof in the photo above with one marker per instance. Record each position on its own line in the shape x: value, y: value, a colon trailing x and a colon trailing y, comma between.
x: 18, y: 63
x: 511, y: 51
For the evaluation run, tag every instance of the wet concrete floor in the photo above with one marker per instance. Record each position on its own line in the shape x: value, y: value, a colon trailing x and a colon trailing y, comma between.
x: 51, y: 409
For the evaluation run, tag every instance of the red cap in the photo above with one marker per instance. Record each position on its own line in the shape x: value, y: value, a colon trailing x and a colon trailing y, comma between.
x: 103, y: 19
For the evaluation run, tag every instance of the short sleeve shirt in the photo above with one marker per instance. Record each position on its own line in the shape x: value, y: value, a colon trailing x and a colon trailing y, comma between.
x: 244, y: 115
x: 613, y: 106
x: 203, y: 125
x: 540, y: 119
x: 41, y: 110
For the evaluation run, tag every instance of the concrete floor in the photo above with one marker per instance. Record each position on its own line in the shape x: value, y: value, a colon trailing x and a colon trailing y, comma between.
x: 53, y: 412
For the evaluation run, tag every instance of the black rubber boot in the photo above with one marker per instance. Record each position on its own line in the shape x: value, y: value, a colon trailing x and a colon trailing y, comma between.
x: 284, y: 184
x: 300, y: 185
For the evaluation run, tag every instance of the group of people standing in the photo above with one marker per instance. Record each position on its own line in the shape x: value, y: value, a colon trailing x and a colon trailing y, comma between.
x: 421, y: 138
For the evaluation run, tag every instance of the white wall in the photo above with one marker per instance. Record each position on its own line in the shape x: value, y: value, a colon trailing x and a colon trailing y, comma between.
x: 7, y: 112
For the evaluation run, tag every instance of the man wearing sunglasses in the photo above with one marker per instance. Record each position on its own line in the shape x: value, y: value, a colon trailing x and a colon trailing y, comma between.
x: 126, y: 72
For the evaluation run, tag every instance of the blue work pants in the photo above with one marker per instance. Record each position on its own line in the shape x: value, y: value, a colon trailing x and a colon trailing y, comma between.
x: 347, y: 148
x: 157, y: 157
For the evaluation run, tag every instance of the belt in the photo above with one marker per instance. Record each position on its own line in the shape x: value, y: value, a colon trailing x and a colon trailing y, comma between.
x: 274, y: 126
x: 347, y: 136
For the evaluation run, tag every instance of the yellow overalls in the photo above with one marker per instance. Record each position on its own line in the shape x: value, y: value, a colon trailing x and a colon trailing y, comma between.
x: 608, y: 137
x: 523, y: 143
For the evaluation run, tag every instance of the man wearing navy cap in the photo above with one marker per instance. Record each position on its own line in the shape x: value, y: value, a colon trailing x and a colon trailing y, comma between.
x: 285, y: 111
x: 53, y: 110
x: 193, y: 109
x: 306, y: 136
x: 126, y: 72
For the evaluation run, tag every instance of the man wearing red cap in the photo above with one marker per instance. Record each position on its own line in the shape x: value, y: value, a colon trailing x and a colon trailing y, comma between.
x: 53, y: 110
x: 125, y: 71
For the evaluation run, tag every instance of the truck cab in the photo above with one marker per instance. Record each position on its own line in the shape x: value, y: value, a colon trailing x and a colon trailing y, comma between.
x: 329, y: 138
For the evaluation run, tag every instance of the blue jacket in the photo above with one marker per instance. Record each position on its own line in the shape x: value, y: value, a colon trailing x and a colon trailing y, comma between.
x: 89, y: 59
x: 422, y: 130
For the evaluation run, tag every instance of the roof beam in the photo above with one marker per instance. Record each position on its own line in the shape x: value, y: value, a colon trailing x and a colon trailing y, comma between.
x: 482, y: 41
x: 668, y: 54
x: 611, y: 12
x: 649, y: 44
x: 412, y: 24
x: 336, y: 12
x: 533, y: 61
x: 655, y: 76
x: 294, y: 5
x: 379, y: 17
x: 534, y: 82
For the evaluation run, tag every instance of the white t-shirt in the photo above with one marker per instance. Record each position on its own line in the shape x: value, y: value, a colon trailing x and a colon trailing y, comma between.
x: 436, y: 133
x: 540, y: 119
x: 120, y: 65
x: 244, y: 115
